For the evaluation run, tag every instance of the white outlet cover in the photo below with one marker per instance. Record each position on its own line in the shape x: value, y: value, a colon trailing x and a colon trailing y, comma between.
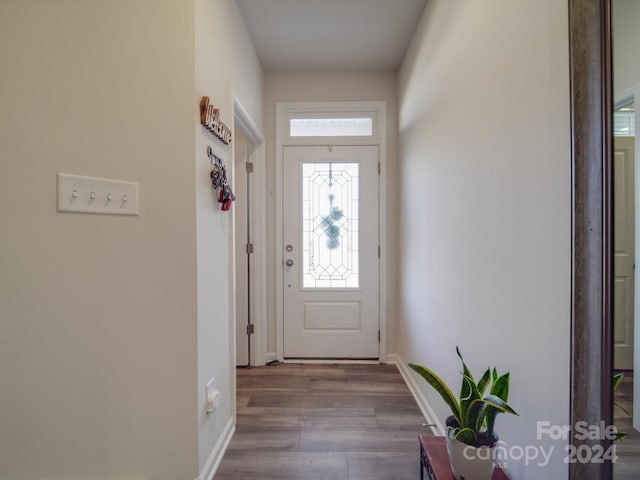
x: 213, y: 400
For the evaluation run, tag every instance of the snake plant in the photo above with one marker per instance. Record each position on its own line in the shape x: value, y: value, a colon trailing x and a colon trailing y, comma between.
x: 474, y: 414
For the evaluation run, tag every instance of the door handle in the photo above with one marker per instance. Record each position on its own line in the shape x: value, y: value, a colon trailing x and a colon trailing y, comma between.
x: 289, y: 263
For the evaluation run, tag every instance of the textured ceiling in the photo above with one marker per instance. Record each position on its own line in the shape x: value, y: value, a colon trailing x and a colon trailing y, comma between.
x: 331, y: 35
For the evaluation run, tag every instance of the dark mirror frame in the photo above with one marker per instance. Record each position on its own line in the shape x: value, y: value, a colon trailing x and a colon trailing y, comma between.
x: 592, y: 281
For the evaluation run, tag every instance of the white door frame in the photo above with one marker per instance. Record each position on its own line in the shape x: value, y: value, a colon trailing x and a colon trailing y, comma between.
x: 378, y: 111
x: 258, y: 260
x: 624, y: 98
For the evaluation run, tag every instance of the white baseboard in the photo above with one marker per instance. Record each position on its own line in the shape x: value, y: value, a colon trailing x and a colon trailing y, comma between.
x: 270, y: 357
x: 431, y: 418
x: 213, y: 462
x: 389, y: 359
x: 331, y: 361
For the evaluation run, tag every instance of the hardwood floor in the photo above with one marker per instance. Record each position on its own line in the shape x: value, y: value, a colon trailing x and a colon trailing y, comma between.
x: 324, y: 422
x: 628, y: 450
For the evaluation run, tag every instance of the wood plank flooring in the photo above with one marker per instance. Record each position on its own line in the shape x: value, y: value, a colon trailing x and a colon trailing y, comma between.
x: 324, y: 422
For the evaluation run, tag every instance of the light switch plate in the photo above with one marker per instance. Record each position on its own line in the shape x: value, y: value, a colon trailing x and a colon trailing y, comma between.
x: 78, y: 193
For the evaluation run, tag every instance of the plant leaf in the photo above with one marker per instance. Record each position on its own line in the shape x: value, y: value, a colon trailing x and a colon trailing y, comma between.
x: 499, y: 404
x: 466, y: 435
x: 465, y: 370
x: 476, y: 415
x: 620, y: 436
x: 500, y: 387
x: 441, y: 387
x: 616, y: 379
x: 468, y: 394
x: 484, y: 382
x: 626, y: 412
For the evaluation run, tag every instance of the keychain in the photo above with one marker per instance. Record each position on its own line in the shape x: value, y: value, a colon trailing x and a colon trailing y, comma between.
x: 226, y: 197
x: 216, y: 177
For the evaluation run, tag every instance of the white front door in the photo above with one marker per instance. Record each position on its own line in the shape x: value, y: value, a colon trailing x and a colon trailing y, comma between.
x: 624, y: 240
x: 331, y: 259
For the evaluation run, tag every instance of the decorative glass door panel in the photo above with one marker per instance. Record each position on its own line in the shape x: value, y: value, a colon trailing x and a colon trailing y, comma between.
x: 330, y: 214
x: 330, y: 257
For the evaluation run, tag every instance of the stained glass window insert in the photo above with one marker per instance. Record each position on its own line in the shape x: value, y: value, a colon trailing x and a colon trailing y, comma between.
x: 330, y: 215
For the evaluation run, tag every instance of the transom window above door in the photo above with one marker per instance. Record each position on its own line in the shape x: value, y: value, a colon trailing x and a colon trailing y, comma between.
x: 331, y: 127
x: 333, y: 124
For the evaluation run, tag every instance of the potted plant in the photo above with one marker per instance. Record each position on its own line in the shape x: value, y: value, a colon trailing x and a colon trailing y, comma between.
x: 470, y: 428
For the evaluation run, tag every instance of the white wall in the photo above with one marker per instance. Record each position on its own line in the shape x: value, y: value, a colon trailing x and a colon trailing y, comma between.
x: 111, y: 326
x: 98, y: 313
x: 225, y: 62
x: 485, y: 196
x: 626, y: 38
x: 317, y: 87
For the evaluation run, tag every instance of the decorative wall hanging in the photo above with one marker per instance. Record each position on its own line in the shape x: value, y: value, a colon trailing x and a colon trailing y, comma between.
x: 219, y: 181
x: 210, y: 119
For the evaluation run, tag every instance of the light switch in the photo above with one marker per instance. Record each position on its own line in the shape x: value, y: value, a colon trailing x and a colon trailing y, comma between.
x: 78, y: 193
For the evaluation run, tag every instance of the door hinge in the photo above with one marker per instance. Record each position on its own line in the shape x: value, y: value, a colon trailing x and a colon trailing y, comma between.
x: 378, y: 251
x: 249, y: 248
x: 249, y: 167
x: 379, y: 168
x: 250, y: 329
x: 378, y: 336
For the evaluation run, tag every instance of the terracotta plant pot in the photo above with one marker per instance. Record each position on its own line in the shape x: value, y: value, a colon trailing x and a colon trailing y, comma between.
x: 470, y: 463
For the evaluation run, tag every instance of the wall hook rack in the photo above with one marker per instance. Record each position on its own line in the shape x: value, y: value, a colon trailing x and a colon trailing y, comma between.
x: 213, y: 157
x: 220, y: 181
